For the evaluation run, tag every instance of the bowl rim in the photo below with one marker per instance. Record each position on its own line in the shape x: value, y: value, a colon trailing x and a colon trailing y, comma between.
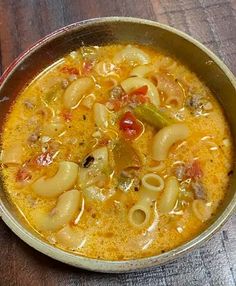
x: 110, y: 266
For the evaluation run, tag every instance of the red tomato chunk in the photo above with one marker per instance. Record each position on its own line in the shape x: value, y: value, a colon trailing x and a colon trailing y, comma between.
x: 70, y: 70
x: 23, y: 175
x: 194, y: 170
x: 130, y: 126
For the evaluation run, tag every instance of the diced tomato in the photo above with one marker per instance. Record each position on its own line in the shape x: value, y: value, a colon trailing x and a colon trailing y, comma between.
x: 194, y: 170
x: 70, y: 70
x: 67, y: 115
x: 141, y: 90
x: 103, y: 142
x: 140, y: 99
x: 130, y: 126
x: 139, y: 95
x: 44, y: 159
x: 23, y: 175
x: 117, y: 104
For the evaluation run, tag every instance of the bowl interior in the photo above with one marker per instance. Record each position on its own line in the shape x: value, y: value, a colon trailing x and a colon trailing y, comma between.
x: 109, y: 31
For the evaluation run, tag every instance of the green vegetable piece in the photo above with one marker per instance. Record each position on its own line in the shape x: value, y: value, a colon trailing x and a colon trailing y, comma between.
x: 54, y: 93
x: 125, y: 156
x: 150, y: 114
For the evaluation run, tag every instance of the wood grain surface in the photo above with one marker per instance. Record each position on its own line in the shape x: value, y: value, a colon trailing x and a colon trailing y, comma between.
x: 213, y: 22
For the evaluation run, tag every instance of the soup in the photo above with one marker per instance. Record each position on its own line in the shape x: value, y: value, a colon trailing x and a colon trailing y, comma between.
x: 116, y: 152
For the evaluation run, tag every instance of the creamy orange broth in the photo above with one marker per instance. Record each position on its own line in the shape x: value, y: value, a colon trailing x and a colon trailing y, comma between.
x: 103, y: 230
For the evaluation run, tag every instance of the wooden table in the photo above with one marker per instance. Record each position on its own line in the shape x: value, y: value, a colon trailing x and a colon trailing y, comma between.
x: 213, y: 22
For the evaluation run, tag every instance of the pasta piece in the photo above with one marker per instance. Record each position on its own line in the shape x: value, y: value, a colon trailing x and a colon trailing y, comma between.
x: 88, y: 101
x: 104, y: 68
x: 153, y: 182
x: 64, y: 211
x: 131, y: 54
x: 166, y: 137
x: 100, y: 157
x: 111, y: 81
x: 170, y: 195
x: 133, y: 83
x: 76, y: 90
x: 12, y: 155
x: 141, y: 71
x: 165, y: 64
x: 157, y: 168
x: 70, y: 238
x: 140, y: 213
x: 201, y: 209
x: 101, y: 115
x: 63, y: 180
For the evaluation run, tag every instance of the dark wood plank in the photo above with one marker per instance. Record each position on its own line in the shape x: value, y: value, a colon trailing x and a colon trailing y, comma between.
x: 213, y: 22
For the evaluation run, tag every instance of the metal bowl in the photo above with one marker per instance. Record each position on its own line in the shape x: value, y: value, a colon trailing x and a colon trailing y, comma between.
x: 104, y: 31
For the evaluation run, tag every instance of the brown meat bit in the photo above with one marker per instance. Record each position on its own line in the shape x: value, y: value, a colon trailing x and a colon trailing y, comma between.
x: 198, y: 190
x: 116, y: 92
x: 195, y: 103
x: 33, y: 138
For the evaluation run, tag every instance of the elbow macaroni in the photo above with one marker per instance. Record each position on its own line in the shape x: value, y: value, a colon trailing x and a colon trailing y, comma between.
x: 88, y: 101
x: 139, y: 214
x: 142, y: 71
x: 170, y: 195
x: 166, y: 137
x: 76, y: 90
x: 104, y: 68
x: 64, y: 211
x: 153, y: 182
x: 70, y: 237
x: 101, y: 115
x: 201, y: 209
x: 131, y: 54
x: 63, y: 180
